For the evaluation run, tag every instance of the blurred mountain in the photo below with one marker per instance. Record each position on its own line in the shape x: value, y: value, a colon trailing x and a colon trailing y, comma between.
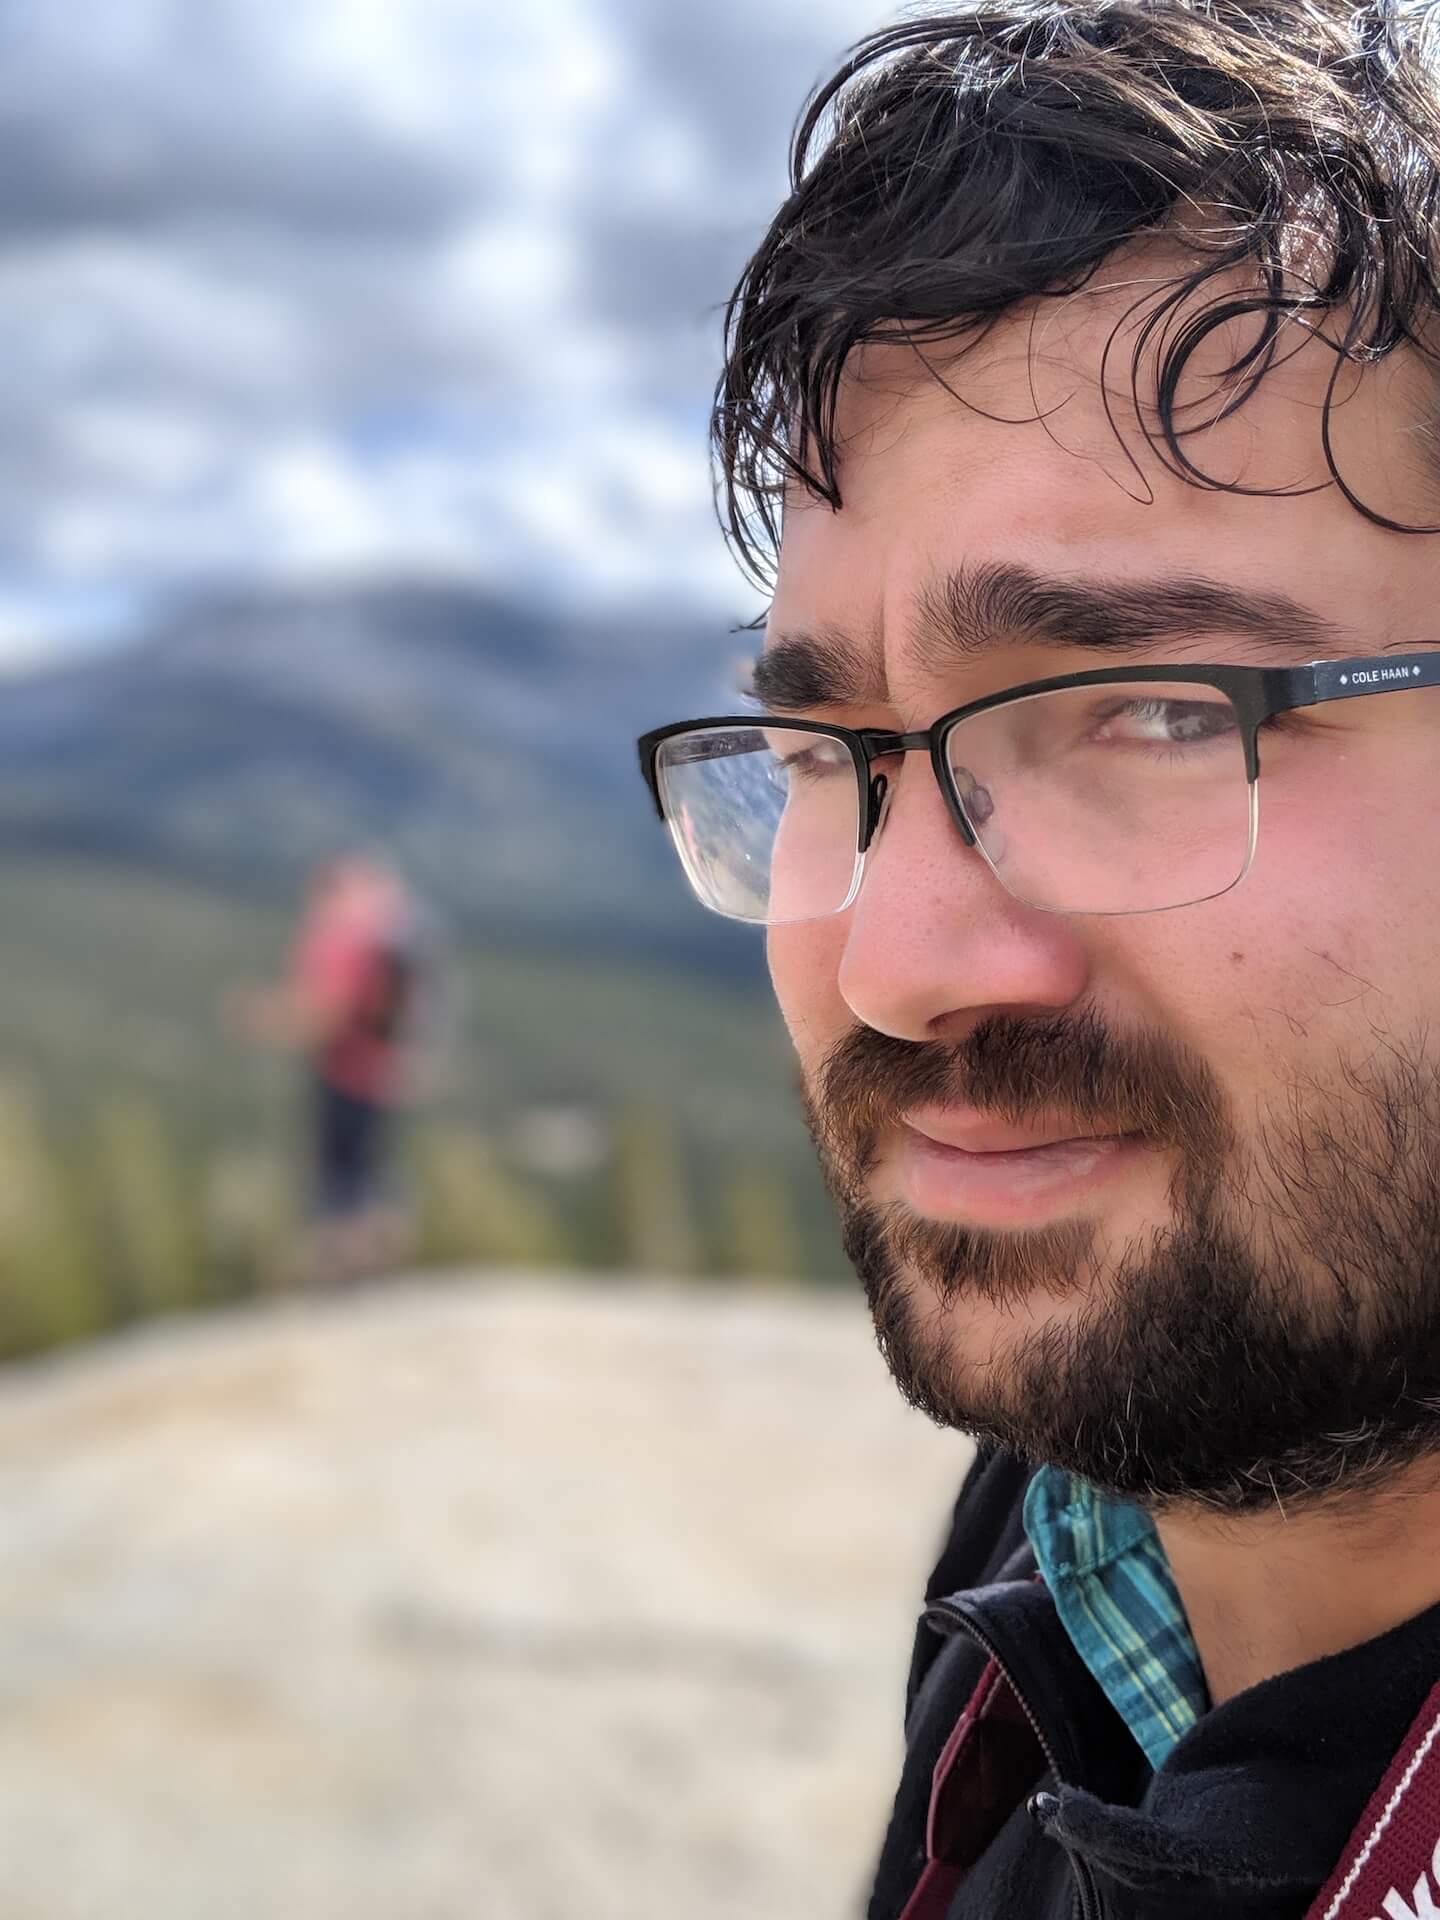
x: 486, y: 745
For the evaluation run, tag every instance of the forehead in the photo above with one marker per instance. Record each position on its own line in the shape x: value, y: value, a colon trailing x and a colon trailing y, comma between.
x: 1029, y: 449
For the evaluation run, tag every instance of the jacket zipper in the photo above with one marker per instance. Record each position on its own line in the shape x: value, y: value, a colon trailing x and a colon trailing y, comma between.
x: 1087, y: 1894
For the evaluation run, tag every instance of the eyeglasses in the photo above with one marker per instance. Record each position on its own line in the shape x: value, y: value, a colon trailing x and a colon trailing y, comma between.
x: 1100, y: 793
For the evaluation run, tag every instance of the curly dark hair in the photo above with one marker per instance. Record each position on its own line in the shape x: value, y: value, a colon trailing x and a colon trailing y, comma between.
x: 962, y: 162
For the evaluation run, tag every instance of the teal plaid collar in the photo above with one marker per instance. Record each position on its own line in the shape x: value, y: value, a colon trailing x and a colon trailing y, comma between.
x: 1112, y: 1586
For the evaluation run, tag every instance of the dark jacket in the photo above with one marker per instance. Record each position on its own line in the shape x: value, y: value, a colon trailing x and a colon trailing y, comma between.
x: 1055, y: 1814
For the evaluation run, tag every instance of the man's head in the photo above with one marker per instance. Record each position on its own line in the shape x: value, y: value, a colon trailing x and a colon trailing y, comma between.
x: 1076, y: 313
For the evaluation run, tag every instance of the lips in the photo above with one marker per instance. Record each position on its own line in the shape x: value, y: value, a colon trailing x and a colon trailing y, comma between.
x: 970, y: 1168
x: 969, y: 1131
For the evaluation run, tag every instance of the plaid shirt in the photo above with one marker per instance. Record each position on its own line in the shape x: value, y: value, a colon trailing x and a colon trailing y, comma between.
x: 1112, y: 1586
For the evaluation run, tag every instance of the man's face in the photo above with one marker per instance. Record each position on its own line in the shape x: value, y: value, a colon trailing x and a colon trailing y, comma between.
x: 1156, y: 1196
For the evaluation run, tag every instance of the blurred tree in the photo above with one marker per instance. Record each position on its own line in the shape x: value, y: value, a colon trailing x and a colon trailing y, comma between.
x: 149, y: 1208
x: 652, y: 1194
x: 473, y: 1209
x: 248, y: 1210
x: 760, y: 1235
x: 53, y: 1285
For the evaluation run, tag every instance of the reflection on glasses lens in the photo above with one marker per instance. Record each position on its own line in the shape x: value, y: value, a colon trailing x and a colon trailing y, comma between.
x: 1109, y: 799
x: 766, y: 819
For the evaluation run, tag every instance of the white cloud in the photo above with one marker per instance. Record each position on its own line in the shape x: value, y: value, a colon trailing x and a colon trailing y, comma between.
x: 151, y: 450
x: 290, y: 287
x: 514, y: 270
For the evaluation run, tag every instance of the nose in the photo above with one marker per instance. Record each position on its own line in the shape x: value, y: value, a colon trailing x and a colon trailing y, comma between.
x: 934, y: 944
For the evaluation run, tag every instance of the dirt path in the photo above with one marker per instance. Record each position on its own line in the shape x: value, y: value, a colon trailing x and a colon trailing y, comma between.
x: 478, y: 1601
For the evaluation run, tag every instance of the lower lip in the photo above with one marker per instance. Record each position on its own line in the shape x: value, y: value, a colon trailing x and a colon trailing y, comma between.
x: 1019, y: 1188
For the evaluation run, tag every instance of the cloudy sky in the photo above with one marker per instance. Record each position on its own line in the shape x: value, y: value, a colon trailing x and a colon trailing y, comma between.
x: 298, y: 288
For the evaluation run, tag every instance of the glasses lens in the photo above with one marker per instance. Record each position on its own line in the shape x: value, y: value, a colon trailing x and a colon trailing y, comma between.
x: 1109, y: 799
x: 766, y: 819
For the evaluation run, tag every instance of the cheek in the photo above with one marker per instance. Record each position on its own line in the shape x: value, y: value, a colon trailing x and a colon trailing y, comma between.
x: 805, y: 972
x: 1327, y: 944
x: 1347, y: 889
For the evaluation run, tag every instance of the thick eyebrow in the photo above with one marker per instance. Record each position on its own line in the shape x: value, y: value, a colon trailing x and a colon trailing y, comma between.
x: 822, y: 669
x: 972, y: 611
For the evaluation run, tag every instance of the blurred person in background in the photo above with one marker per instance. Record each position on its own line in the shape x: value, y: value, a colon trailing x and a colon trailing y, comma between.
x: 1081, y: 411
x: 351, y: 1007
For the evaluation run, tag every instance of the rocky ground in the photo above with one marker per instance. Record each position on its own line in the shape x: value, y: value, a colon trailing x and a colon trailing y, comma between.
x: 486, y: 1600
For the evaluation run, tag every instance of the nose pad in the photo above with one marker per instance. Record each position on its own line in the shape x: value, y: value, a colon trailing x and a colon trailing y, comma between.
x: 979, y: 803
x: 879, y: 790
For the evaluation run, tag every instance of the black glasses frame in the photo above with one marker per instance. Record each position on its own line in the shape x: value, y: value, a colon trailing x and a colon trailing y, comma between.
x: 1257, y: 694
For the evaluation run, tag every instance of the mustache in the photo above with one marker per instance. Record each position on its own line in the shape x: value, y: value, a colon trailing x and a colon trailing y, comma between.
x: 1140, y: 1082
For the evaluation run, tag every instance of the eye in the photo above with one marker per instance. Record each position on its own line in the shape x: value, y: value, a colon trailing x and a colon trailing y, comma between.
x: 1153, y: 720
x: 815, y: 760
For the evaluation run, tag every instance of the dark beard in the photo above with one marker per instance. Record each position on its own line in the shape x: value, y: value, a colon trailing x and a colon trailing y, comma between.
x: 1277, y: 1342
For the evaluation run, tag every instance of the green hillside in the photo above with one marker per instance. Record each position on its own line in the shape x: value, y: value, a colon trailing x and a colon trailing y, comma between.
x: 583, y: 1111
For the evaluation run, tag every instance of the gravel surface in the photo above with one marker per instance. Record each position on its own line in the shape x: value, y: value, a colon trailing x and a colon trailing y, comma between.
x: 491, y: 1599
